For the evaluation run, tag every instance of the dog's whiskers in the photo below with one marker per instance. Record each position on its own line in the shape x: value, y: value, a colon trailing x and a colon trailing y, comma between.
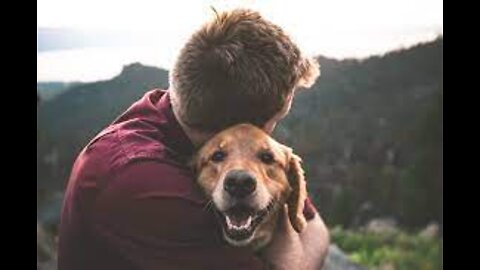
x: 271, y: 206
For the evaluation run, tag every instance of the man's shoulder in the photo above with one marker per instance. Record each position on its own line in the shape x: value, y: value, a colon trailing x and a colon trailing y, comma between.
x: 120, y: 144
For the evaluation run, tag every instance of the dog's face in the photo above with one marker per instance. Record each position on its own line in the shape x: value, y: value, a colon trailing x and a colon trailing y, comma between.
x: 249, y: 177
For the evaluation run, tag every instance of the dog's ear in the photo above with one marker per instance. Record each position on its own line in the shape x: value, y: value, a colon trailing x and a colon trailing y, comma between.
x: 296, y: 200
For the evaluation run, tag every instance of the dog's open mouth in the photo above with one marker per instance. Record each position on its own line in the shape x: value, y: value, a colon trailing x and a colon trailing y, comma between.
x: 240, y: 221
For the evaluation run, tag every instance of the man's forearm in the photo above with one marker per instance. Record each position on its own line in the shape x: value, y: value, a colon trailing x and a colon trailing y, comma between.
x: 306, y: 251
x: 315, y: 242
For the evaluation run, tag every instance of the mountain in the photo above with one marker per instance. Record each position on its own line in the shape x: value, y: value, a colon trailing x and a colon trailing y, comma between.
x: 49, y: 90
x: 369, y: 132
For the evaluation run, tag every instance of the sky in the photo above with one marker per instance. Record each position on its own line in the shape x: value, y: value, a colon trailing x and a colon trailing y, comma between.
x: 332, y: 28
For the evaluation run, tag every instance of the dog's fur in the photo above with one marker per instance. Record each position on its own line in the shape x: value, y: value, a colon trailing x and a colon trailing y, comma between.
x: 278, y: 182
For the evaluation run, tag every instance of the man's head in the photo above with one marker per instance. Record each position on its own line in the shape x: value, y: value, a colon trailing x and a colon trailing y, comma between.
x: 238, y: 68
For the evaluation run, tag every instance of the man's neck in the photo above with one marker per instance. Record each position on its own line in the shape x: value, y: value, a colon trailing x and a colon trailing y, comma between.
x: 196, y: 137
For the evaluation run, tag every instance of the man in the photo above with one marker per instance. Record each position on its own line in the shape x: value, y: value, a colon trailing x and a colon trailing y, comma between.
x: 131, y: 200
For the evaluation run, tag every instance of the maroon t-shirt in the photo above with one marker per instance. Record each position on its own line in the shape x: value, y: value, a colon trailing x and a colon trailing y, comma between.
x: 132, y: 203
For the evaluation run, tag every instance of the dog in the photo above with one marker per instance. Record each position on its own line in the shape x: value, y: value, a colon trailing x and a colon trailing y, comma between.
x: 249, y: 177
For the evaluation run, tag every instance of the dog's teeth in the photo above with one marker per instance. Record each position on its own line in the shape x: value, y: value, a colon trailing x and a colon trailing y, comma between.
x: 232, y: 226
x: 249, y: 222
x: 229, y: 223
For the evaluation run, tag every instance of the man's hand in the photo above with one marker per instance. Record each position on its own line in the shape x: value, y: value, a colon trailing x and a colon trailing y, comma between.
x: 291, y: 250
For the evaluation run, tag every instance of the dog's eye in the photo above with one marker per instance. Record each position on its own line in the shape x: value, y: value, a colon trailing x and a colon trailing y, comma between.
x: 218, y: 156
x: 266, y: 157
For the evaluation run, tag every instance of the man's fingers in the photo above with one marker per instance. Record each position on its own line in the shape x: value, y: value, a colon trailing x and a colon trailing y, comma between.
x: 284, y: 220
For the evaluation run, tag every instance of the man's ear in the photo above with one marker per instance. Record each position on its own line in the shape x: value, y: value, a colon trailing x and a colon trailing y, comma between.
x: 296, y: 200
x: 308, y: 72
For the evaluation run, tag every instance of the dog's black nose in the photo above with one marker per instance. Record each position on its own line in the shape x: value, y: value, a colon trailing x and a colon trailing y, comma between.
x: 239, y: 183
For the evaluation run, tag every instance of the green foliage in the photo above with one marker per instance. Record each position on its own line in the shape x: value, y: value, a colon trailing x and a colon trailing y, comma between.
x: 370, y: 132
x: 403, y: 251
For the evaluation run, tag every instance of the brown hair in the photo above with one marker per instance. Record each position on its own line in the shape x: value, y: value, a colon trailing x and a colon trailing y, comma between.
x: 237, y: 68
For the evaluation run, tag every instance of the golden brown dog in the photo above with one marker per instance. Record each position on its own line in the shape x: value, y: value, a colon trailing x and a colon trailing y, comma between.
x: 249, y: 177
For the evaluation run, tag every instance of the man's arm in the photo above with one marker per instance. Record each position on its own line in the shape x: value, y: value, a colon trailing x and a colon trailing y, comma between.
x: 291, y: 250
x: 141, y: 219
x: 315, y: 241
